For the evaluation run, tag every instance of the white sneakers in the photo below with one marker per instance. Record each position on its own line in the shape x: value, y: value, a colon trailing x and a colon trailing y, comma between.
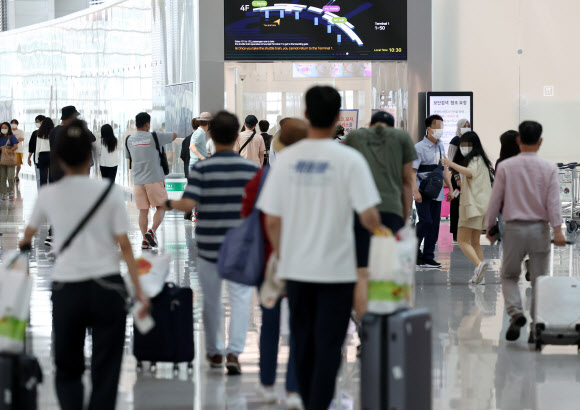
x: 293, y: 401
x: 478, y: 277
x: 269, y: 396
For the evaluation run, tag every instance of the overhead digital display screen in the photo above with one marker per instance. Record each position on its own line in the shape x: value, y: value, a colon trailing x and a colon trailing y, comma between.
x: 316, y: 30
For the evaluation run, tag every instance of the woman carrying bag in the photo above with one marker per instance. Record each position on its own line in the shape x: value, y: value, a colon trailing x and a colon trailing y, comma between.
x: 108, y: 154
x: 42, y: 150
x: 475, y: 173
x: 8, y: 161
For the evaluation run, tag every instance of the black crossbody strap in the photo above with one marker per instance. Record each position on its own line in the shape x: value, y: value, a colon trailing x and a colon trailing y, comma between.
x: 247, y: 142
x: 86, y: 219
x: 157, y: 143
x: 129, y: 152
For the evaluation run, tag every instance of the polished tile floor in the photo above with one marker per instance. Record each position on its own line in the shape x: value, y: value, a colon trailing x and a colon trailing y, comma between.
x: 473, y: 367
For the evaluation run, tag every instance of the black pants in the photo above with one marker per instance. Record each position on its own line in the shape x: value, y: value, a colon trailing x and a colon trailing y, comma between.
x: 186, y: 168
x: 319, y: 317
x: 454, y: 217
x: 363, y: 237
x: 77, y: 306
x: 43, y: 171
x: 429, y: 212
x: 109, y: 173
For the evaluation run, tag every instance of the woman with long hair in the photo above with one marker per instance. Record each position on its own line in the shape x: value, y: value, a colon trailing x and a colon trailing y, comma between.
x: 475, y: 171
x: 454, y: 153
x: 108, y: 155
x: 509, y: 146
x: 42, y: 150
x: 8, y: 146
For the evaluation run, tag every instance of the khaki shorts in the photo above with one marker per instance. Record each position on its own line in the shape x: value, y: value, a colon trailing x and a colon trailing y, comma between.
x: 150, y: 195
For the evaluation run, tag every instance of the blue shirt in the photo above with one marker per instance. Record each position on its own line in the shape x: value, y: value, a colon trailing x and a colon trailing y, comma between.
x: 428, y: 154
x: 11, y: 141
x: 217, y: 185
x: 198, y: 138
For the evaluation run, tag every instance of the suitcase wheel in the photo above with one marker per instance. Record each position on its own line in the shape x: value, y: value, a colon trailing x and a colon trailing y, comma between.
x: 190, y: 366
x: 538, y: 346
x: 175, y: 369
x: 153, y: 367
x: 139, y: 367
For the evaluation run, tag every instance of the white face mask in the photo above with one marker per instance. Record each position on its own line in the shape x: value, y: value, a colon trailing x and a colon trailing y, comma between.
x: 37, y: 124
x: 4, y: 131
x: 464, y: 130
x: 437, y: 134
x: 14, y: 126
x: 465, y: 150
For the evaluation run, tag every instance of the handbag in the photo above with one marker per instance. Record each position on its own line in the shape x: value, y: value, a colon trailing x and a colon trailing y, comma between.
x: 430, y: 187
x: 241, y: 257
x: 8, y: 158
x: 162, y: 155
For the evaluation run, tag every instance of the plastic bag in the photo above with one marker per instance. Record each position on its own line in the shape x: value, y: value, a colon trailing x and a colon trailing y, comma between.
x: 15, y: 294
x: 153, y: 271
x: 392, y: 265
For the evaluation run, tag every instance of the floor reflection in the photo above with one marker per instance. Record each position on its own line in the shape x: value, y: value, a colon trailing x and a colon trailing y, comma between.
x: 473, y: 367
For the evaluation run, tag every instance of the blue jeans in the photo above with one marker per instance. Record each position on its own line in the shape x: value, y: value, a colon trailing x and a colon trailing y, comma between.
x: 429, y: 212
x: 269, y: 338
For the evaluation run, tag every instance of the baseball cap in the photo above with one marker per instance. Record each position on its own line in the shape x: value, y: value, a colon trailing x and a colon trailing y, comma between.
x: 68, y: 112
x: 251, y: 120
x: 384, y: 118
x: 205, y: 116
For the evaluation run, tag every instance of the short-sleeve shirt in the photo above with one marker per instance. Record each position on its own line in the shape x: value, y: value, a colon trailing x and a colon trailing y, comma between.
x: 92, y: 254
x: 428, y: 154
x: 19, y: 135
x: 315, y: 187
x: 145, y: 157
x: 8, y: 140
x: 198, y: 138
x: 386, y: 150
x: 254, y: 151
x: 217, y: 185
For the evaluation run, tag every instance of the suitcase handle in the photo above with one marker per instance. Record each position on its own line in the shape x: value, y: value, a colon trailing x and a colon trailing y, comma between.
x: 571, y: 265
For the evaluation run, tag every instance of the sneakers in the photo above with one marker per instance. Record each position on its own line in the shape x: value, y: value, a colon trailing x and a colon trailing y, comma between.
x: 216, y: 361
x: 145, y: 246
x: 516, y: 323
x: 293, y: 401
x: 151, y: 238
x: 48, y: 241
x: 267, y: 394
x: 532, y: 337
x: 430, y: 264
x: 11, y: 196
x: 527, y: 266
x: 419, y: 261
x: 4, y: 198
x: 233, y: 365
x: 478, y: 277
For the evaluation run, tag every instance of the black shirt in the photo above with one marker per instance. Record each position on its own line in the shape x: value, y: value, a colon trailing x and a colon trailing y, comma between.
x: 56, y: 172
x: 185, y: 152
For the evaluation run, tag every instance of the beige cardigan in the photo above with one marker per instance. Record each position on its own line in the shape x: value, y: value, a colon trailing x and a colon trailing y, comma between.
x: 475, y: 191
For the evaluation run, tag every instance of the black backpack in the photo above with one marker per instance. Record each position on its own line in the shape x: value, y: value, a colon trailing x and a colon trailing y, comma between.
x: 430, y: 186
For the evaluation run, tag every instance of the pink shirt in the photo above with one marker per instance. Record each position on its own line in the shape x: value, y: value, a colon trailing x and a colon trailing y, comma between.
x: 526, y: 189
x: 254, y: 151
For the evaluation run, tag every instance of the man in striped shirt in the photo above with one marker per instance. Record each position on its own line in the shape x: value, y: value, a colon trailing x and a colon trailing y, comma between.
x: 215, y: 187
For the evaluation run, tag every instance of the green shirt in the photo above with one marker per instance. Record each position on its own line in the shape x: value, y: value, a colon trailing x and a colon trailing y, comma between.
x: 386, y: 150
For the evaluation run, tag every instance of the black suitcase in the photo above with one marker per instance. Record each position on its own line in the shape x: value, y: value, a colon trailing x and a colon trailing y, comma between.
x: 20, y: 375
x: 396, y: 361
x: 171, y: 340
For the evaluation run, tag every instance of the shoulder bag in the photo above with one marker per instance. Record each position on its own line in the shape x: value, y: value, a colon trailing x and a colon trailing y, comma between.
x: 162, y: 155
x: 8, y: 158
x: 430, y: 186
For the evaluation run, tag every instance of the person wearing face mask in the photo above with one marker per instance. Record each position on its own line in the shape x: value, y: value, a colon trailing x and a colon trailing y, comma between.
x: 19, y: 134
x: 32, y: 147
x: 430, y: 152
x: 454, y: 154
x: 475, y: 173
x: 8, y: 145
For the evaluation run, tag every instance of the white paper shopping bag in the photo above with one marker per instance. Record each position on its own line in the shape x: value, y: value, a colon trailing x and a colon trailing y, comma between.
x: 153, y: 271
x: 15, y: 293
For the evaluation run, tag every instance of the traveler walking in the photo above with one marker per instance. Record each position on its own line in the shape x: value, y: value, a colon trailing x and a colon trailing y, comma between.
x: 215, y: 186
x: 294, y: 130
x: 390, y: 154
x: 509, y: 146
x: 316, y: 256
x: 42, y: 150
x: 264, y: 125
x: 8, y: 146
x: 108, y: 154
x: 428, y: 204
x: 454, y: 154
x: 339, y: 134
x: 527, y: 191
x: 250, y: 144
x: 275, y: 136
x: 475, y: 171
x: 198, y: 145
x: 185, y: 152
x: 19, y: 134
x: 148, y: 176
x: 32, y: 147
x: 87, y: 289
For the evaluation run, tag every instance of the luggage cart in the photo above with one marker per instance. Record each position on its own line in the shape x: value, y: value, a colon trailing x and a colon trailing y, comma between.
x: 569, y: 178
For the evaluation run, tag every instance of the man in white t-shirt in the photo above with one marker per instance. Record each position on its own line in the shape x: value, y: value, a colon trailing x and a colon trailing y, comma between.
x: 308, y: 199
x: 18, y: 133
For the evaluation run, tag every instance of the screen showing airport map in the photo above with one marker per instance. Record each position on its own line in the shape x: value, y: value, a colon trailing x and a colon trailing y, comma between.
x: 316, y: 30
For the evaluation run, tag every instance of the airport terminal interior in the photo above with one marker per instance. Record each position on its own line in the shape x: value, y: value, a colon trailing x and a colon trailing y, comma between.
x: 478, y: 66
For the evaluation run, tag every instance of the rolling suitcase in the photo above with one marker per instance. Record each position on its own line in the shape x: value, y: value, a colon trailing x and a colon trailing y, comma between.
x: 171, y: 340
x: 557, y: 307
x: 20, y: 375
x: 396, y: 361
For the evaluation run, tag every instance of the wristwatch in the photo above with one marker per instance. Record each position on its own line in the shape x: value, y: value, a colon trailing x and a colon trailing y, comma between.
x: 168, y: 204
